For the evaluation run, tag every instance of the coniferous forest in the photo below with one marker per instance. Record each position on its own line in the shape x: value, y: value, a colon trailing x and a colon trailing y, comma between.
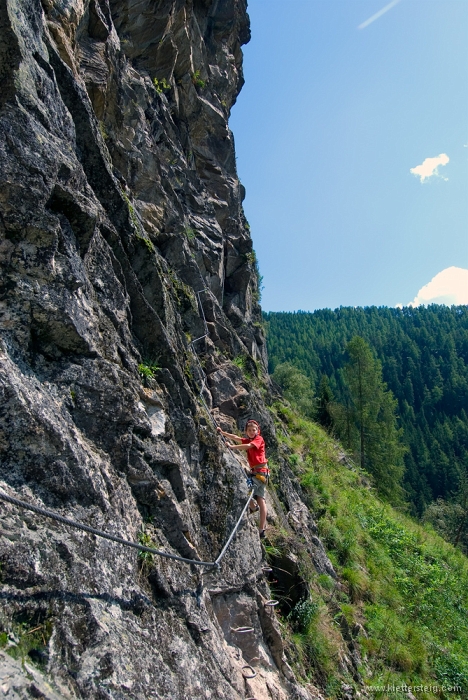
x: 416, y: 360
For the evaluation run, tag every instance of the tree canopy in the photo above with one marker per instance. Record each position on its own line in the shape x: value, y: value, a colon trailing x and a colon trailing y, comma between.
x: 423, y: 353
x: 366, y: 420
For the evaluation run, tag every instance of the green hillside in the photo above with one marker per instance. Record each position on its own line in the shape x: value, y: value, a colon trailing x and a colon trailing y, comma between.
x: 401, y: 598
x: 424, y: 357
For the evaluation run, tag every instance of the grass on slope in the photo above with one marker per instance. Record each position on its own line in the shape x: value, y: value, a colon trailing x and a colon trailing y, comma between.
x: 404, y: 592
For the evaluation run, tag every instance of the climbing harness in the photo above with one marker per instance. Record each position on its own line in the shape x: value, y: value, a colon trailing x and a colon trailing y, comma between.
x: 72, y: 523
x: 261, y: 473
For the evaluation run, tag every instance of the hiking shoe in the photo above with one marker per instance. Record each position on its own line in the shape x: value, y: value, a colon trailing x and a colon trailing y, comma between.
x: 262, y: 534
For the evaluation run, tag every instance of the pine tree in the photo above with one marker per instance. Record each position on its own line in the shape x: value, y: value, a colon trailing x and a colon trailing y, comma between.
x: 325, y: 398
x: 371, y: 427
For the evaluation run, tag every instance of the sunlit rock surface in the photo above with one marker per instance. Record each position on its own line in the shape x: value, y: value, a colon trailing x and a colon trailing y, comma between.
x: 122, y: 240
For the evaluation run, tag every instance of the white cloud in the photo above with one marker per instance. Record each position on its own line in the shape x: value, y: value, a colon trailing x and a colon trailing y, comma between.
x: 429, y: 167
x: 379, y: 14
x: 448, y: 287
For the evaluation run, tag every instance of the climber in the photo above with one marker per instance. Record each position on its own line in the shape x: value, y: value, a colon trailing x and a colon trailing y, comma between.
x: 254, y: 445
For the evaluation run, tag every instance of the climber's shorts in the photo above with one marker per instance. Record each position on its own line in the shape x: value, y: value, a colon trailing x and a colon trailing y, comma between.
x: 258, y: 488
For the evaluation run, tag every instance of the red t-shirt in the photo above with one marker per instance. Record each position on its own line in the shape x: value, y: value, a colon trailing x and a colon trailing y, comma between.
x: 256, y: 454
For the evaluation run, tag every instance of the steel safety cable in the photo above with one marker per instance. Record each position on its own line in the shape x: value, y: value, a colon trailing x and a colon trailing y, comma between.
x: 100, y: 533
x: 142, y: 548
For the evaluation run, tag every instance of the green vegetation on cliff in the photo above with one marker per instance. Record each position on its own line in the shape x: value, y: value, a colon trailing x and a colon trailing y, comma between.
x: 401, y: 598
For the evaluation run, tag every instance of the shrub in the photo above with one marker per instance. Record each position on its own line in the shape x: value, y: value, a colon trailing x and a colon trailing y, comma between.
x: 302, y: 615
x: 161, y: 85
x: 197, y: 81
x: 147, y: 372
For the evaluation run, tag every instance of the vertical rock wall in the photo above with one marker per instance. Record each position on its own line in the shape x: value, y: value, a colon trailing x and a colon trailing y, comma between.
x: 121, y: 233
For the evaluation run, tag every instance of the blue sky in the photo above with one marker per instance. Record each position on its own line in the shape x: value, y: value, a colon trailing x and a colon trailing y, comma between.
x: 328, y: 126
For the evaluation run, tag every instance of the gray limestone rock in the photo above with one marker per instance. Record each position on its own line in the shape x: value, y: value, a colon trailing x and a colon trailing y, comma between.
x: 122, y: 241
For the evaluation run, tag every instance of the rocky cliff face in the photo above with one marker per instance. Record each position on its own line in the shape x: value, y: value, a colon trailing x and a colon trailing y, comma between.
x: 122, y: 242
